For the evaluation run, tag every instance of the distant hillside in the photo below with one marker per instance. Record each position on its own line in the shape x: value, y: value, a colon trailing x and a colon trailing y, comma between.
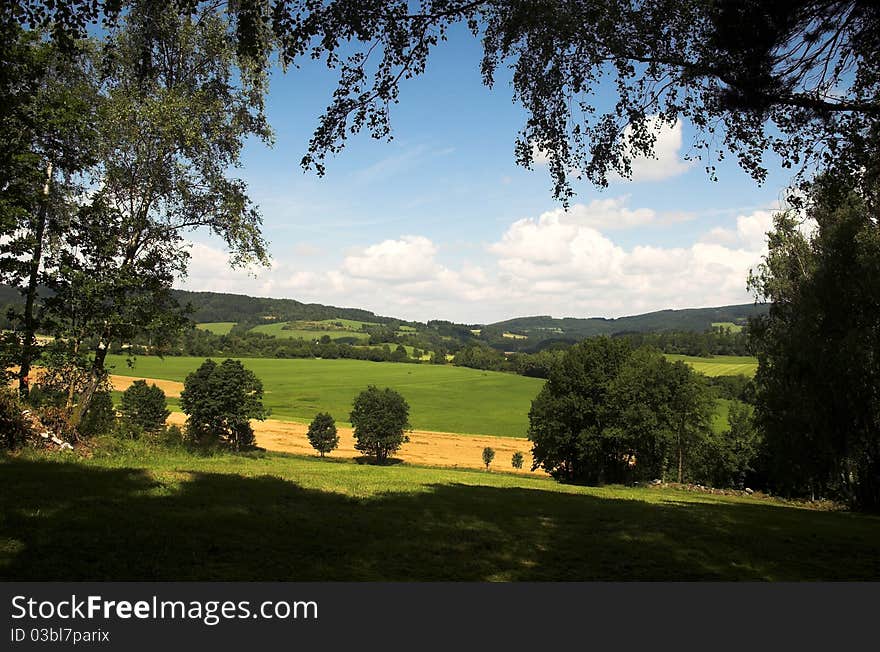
x: 691, y: 319
x: 217, y: 307
x: 243, y: 309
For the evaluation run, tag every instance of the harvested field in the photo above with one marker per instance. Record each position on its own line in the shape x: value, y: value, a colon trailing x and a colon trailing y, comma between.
x: 424, y: 447
x: 172, y: 388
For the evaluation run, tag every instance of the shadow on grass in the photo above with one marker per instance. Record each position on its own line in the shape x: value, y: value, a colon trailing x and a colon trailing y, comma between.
x: 62, y: 521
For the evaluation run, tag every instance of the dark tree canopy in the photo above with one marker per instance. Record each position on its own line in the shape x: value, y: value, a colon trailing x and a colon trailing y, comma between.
x: 322, y: 433
x: 796, y: 77
x: 380, y: 418
x: 220, y: 400
x: 818, y: 366
x: 144, y: 406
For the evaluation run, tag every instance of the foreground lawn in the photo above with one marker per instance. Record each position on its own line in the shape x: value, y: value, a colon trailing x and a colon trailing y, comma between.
x: 143, y: 514
x: 441, y: 397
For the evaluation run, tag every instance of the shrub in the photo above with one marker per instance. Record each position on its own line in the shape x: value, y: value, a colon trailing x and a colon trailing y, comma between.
x: 517, y: 460
x: 100, y: 417
x: 380, y: 418
x: 125, y: 429
x: 14, y: 426
x: 144, y: 406
x: 57, y: 421
x: 220, y: 400
x: 322, y: 433
x: 488, y: 456
x: 172, y: 436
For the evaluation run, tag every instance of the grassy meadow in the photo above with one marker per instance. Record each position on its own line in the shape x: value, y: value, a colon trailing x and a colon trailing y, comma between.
x: 442, y: 398
x: 720, y: 365
x: 217, y: 327
x: 141, y: 513
x: 279, y: 330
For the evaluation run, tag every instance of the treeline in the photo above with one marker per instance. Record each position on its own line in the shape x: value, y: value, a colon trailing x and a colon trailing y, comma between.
x: 610, y: 413
x: 718, y: 340
x: 202, y: 343
x: 215, y: 306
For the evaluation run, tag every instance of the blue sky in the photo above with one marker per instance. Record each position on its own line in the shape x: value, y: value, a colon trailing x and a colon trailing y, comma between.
x: 440, y: 223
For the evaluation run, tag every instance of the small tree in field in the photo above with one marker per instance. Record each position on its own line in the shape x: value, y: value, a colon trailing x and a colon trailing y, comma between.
x: 322, y: 433
x: 144, y: 406
x: 380, y: 418
x: 220, y: 401
x: 488, y: 456
x: 517, y: 460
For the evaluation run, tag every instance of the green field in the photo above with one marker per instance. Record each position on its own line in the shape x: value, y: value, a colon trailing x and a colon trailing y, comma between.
x: 278, y: 330
x: 733, y: 328
x: 441, y: 397
x: 720, y: 365
x: 276, y: 517
x: 217, y: 327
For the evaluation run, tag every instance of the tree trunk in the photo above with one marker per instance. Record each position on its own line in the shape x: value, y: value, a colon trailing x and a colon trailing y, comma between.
x: 96, y: 375
x: 680, y: 456
x: 30, y: 324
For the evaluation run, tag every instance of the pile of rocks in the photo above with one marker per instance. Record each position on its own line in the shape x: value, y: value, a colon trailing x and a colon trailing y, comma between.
x: 41, y: 436
x: 702, y: 488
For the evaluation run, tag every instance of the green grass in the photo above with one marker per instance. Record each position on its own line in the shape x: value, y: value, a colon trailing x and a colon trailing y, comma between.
x: 278, y: 330
x: 150, y: 514
x: 217, y: 327
x: 720, y: 365
x: 441, y: 397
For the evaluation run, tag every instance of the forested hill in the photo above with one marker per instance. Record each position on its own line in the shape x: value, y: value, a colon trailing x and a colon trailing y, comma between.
x: 691, y: 319
x: 243, y: 309
x: 215, y: 306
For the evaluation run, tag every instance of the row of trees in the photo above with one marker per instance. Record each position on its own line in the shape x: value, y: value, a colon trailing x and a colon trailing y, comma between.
x: 220, y: 400
x: 610, y: 413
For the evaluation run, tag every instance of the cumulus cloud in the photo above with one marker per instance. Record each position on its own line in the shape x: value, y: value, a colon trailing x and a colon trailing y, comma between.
x: 749, y: 233
x: 407, y: 259
x: 667, y: 161
x: 565, y: 264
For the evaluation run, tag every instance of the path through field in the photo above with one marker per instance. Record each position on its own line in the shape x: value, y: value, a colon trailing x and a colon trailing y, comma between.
x: 424, y: 447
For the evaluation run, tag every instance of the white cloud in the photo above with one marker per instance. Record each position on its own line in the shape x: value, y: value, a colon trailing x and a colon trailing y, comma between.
x: 750, y: 231
x: 539, y: 156
x: 556, y: 263
x: 665, y: 163
x: 409, y: 258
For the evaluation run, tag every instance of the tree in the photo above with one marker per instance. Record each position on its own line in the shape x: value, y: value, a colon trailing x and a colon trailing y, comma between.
x: 380, y: 418
x: 516, y: 461
x: 144, y: 406
x: 569, y: 418
x: 49, y: 127
x: 818, y: 368
x: 691, y: 406
x: 740, y: 447
x: 179, y: 106
x: 14, y: 426
x: 98, y: 301
x: 796, y: 77
x: 220, y: 400
x: 322, y: 433
x: 488, y: 456
x: 101, y: 418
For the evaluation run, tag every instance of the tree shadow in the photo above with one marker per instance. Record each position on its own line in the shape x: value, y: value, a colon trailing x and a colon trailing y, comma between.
x: 371, y: 461
x: 63, y: 521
